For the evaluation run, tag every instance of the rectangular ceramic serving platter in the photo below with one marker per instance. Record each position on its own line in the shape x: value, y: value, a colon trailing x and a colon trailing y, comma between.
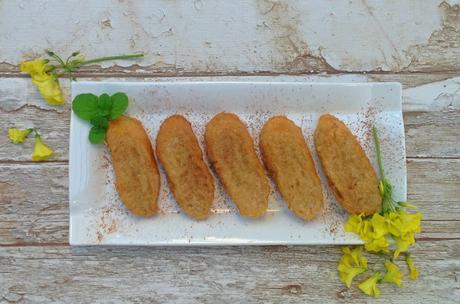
x: 98, y: 217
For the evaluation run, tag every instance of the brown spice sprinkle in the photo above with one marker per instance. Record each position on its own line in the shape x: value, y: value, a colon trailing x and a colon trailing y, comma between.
x: 107, y: 224
x: 367, y: 124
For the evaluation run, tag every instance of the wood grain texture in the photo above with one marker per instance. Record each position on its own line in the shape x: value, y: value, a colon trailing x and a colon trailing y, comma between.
x: 301, y: 274
x: 34, y: 202
x: 417, y: 45
x: 34, y: 205
x: 246, y: 36
x: 432, y: 115
x: 37, y: 265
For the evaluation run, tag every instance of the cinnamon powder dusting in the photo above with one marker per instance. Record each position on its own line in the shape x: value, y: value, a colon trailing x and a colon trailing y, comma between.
x: 107, y: 224
x: 366, y: 124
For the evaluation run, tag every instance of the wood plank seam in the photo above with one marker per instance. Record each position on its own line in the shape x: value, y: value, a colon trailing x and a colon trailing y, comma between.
x: 134, y: 73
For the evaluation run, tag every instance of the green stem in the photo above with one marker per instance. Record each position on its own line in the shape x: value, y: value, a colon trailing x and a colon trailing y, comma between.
x: 30, y: 130
x: 96, y: 60
x: 379, y: 156
x: 56, y: 57
x: 67, y: 60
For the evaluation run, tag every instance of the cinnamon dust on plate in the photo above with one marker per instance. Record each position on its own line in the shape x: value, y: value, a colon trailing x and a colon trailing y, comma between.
x: 107, y: 224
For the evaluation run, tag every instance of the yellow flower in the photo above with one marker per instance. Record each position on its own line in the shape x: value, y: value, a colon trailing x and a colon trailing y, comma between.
x: 413, y: 273
x: 369, y: 286
x: 41, y: 151
x: 401, y: 222
x: 379, y: 227
x: 403, y: 226
x: 372, y: 231
x: 351, y: 264
x: 367, y: 230
x: 410, y: 222
x: 393, y: 274
x: 377, y: 245
x: 354, y: 223
x: 359, y: 225
x: 356, y: 255
x: 50, y: 90
x: 47, y: 84
x: 403, y: 243
x: 393, y: 222
x: 35, y: 67
x: 17, y: 135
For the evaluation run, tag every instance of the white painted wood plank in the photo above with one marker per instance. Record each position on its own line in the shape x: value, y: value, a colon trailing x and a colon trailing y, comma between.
x: 211, y: 275
x: 225, y: 37
x: 246, y: 36
x: 34, y: 200
x: 432, y: 115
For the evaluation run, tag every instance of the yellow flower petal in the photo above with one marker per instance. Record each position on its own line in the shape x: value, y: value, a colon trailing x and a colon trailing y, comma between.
x: 377, y: 245
x: 351, y: 264
x: 403, y: 226
x: 369, y: 286
x: 367, y: 233
x: 403, y: 243
x: 41, y: 151
x: 355, y: 256
x: 372, y: 231
x: 17, y: 135
x: 358, y: 259
x: 33, y: 67
x: 410, y: 222
x: 50, y: 90
x: 379, y: 226
x: 347, y: 274
x: 354, y: 223
x: 393, y: 274
x: 413, y: 273
x: 393, y: 223
x: 47, y: 84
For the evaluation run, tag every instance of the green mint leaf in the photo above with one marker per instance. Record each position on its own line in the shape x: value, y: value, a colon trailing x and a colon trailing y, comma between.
x: 100, y: 121
x: 85, y: 106
x: 119, y: 105
x: 105, y: 104
x: 96, y: 135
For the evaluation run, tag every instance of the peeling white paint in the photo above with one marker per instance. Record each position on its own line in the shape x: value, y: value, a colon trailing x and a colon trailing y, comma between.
x: 436, y: 96
x: 16, y: 93
x: 369, y: 34
x: 244, y: 36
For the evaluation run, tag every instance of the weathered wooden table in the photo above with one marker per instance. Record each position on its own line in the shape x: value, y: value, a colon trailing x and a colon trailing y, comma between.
x: 414, y: 42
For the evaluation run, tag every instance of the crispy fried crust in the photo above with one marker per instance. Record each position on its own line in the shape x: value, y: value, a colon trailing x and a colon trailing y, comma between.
x: 349, y: 171
x: 288, y: 159
x: 188, y: 176
x: 230, y: 149
x: 136, y: 174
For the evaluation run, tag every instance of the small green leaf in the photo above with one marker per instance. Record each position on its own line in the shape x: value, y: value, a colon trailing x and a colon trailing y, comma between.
x: 96, y: 135
x: 85, y: 106
x: 100, y: 121
x: 105, y: 104
x: 119, y: 105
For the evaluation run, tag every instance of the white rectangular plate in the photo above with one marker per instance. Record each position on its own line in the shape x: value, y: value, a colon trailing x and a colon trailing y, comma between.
x: 97, y: 216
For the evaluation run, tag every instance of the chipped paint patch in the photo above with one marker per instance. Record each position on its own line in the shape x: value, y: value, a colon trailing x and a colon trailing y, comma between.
x: 442, y: 47
x: 106, y: 23
x: 435, y: 96
x: 12, y: 99
x: 225, y: 37
x: 282, y: 21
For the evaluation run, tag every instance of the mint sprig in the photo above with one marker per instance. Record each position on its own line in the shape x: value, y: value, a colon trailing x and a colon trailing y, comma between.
x: 99, y: 111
